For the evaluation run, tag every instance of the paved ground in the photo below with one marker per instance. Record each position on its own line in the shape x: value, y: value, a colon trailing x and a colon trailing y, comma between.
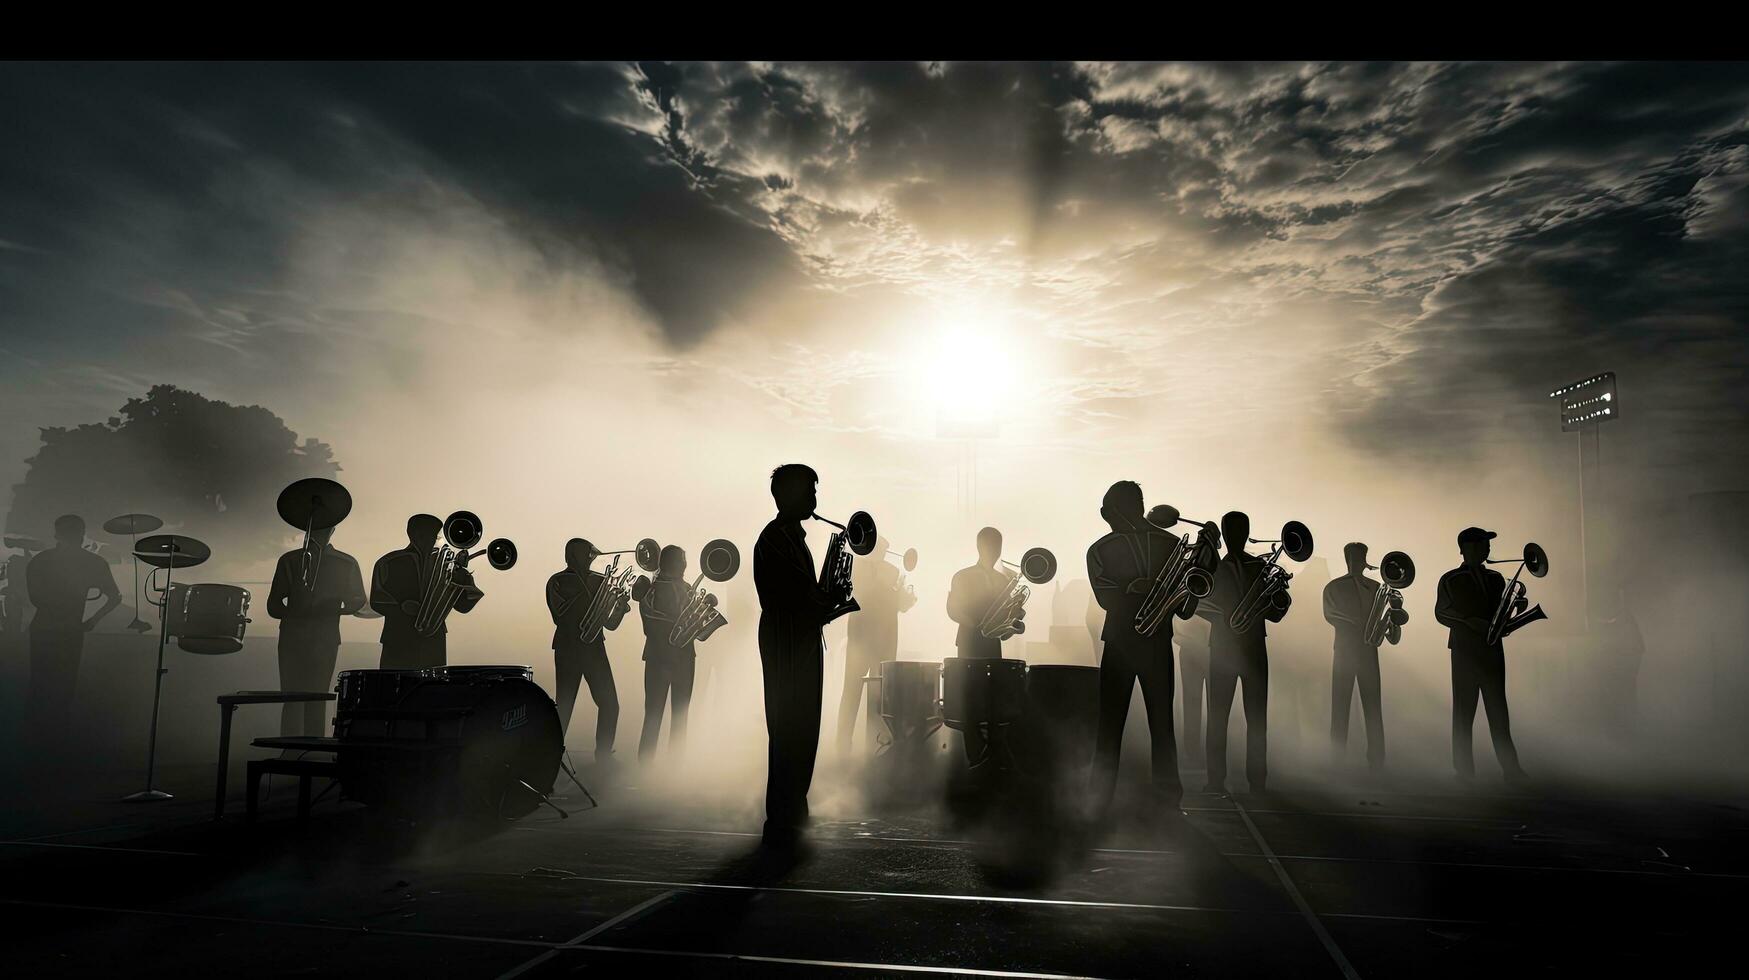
x: 1302, y: 883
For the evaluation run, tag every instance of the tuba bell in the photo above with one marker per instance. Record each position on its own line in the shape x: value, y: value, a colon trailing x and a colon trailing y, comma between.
x: 447, y: 580
x: 855, y: 537
x: 1268, y: 592
x: 1507, y: 619
x: 1387, y: 613
x: 1006, y: 615
x: 700, y: 617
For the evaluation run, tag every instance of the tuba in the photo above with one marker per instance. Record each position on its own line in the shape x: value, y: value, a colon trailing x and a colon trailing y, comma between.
x: 1507, y: 620
x: 699, y: 618
x: 443, y: 586
x: 1268, y: 592
x: 1387, y: 613
x: 617, y: 588
x: 856, y: 537
x: 312, y: 505
x: 1007, y: 614
x: 1182, y: 578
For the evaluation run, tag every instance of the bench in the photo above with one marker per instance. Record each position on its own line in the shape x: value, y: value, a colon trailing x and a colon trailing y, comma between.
x: 304, y: 769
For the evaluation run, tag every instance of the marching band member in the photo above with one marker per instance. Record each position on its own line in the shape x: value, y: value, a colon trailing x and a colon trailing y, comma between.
x: 396, y: 584
x: 1123, y: 566
x: 793, y: 609
x: 1467, y: 599
x: 1237, y: 656
x: 872, y: 634
x: 570, y: 593
x: 1348, y: 606
x: 668, y: 669
x: 309, y: 625
x: 973, y: 590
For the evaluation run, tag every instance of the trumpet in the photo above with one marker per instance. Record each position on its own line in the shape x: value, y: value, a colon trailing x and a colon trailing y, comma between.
x: 699, y: 618
x: 617, y: 589
x: 1506, y: 619
x: 311, y: 505
x: 448, y: 580
x: 1387, y: 613
x: 1006, y: 615
x: 858, y: 536
x: 1182, y: 578
x: 1268, y: 592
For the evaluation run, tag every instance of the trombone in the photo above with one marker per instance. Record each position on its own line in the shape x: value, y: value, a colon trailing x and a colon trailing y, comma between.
x: 1267, y: 593
x: 1505, y: 621
x: 699, y: 618
x: 444, y: 586
x: 617, y: 588
x: 1007, y: 614
x: 858, y: 536
x: 1388, y: 615
x: 1181, y: 579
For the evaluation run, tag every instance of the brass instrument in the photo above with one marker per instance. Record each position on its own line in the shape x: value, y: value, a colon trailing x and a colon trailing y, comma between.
x: 910, y: 560
x: 311, y: 505
x: 699, y: 618
x: 1506, y: 621
x: 859, y: 537
x: 617, y: 587
x: 1268, y: 592
x: 1182, y: 578
x: 1398, y: 572
x: 443, y: 586
x: 1007, y: 614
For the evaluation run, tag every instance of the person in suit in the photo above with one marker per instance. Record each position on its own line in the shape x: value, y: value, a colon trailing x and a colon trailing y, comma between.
x: 872, y: 632
x: 1467, y: 598
x: 972, y: 592
x: 570, y: 593
x: 309, y: 625
x: 58, y: 581
x: 793, y: 611
x: 1348, y: 606
x: 396, y: 585
x: 1123, y: 566
x: 1238, y: 656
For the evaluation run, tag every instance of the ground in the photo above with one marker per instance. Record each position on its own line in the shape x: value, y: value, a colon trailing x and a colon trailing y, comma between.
x: 1425, y: 880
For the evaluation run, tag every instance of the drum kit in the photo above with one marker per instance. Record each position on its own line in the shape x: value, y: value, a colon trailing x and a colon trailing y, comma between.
x: 134, y: 525
x: 165, y: 553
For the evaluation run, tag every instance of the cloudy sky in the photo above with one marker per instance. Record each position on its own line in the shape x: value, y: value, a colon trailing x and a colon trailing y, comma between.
x: 618, y: 293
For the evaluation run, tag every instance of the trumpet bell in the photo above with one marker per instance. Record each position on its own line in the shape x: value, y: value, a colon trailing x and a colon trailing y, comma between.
x: 720, y: 560
x: 1198, y: 582
x: 463, y: 530
x: 859, y: 533
x: 911, y: 559
x: 1038, y: 565
x: 1397, y: 569
x: 501, y: 553
x: 1536, y: 560
x: 648, y: 554
x: 1296, y: 540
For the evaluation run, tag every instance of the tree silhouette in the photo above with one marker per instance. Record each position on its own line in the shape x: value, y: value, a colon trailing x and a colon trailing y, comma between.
x: 207, y: 468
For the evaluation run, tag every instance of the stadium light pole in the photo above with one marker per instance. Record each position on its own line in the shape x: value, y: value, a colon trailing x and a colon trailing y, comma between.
x: 1585, y: 405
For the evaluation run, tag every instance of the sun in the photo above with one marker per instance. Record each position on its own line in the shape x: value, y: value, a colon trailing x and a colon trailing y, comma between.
x: 968, y: 369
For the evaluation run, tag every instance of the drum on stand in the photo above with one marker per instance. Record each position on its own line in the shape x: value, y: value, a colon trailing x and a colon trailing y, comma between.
x: 212, y: 618
x: 373, y: 689
x: 910, y: 700
x: 982, y: 691
x: 454, y: 741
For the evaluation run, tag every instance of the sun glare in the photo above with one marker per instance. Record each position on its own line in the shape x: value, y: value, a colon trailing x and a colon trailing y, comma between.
x: 969, y: 371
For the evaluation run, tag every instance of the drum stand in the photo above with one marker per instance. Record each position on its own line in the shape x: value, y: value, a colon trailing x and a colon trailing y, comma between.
x: 151, y: 794
x: 571, y: 771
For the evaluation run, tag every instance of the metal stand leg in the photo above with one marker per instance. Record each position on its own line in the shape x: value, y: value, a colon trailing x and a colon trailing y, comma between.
x: 543, y: 798
x: 225, y: 712
x: 149, y: 794
x: 571, y: 771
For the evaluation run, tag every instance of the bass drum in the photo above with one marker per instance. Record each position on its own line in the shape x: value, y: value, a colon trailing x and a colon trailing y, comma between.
x: 459, y: 741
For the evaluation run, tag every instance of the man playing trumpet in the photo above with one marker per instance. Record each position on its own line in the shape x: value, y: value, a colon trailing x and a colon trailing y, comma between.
x: 668, y: 666
x: 1467, y: 602
x: 397, y: 583
x: 1349, y: 605
x: 573, y: 594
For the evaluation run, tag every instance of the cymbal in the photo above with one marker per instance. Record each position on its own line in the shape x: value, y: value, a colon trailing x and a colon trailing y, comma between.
x: 132, y: 524
x: 24, y: 542
x: 172, y: 551
x: 314, y: 503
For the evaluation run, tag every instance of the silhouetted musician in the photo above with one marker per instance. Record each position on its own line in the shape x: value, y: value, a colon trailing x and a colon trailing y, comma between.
x: 668, y: 669
x: 1237, y: 656
x: 309, y: 626
x: 397, y: 586
x: 793, y: 608
x: 58, y: 581
x: 570, y: 593
x: 1348, y: 607
x: 1467, y: 599
x: 972, y: 593
x: 1123, y: 566
x: 872, y: 634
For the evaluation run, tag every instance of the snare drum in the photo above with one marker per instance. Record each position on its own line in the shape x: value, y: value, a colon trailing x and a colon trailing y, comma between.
x: 213, y: 619
x: 370, y: 690
x: 982, y: 690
